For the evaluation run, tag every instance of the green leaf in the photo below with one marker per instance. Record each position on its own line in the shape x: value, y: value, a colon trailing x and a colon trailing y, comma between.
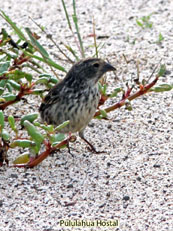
x: 13, y: 25
x: 145, y: 22
x: 2, y: 100
x: 162, y: 70
x: 18, y: 74
x: 4, y: 33
x: 9, y: 97
x: 37, y: 91
x: 104, y: 89
x: 61, y: 126
x: 9, y: 87
x: 103, y: 113
x: 48, y: 128
x: 11, y: 121
x: 57, y: 138
x: 99, y: 117
x: 5, y: 135
x: 161, y: 38
x: 14, y: 84
x: 149, y: 24
x: 50, y: 85
x: 1, y: 120
x: 45, y: 75
x: 72, y: 51
x: 33, y: 132
x: 28, y: 77
x: 75, y: 20
x: 43, y: 80
x: 115, y: 92
x: 37, y: 44
x: 2, y: 85
x: 22, y: 143
x: 128, y: 105
x: 3, y: 82
x: 54, y: 80
x: 162, y: 88
x: 140, y: 23
x: 35, y: 135
x: 30, y: 117
x: 4, y: 67
x: 48, y: 61
x: 55, y: 143
x: 22, y: 159
x: 101, y: 88
x: 66, y: 14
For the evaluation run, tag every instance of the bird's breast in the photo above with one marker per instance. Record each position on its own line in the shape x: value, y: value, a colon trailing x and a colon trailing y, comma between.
x: 81, y: 109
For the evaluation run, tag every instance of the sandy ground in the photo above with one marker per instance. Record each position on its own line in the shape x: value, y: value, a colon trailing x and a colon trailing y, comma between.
x: 132, y: 182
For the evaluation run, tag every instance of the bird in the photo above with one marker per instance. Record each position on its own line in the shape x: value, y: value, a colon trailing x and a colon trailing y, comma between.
x: 76, y: 97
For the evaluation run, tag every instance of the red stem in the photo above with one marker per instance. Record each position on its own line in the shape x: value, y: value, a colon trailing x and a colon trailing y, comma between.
x: 35, y: 161
x: 142, y: 91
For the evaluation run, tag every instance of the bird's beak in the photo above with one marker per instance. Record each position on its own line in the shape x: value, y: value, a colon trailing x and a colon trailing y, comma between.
x: 108, y: 67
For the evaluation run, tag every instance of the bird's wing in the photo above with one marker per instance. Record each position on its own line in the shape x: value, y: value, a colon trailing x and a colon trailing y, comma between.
x: 55, y: 95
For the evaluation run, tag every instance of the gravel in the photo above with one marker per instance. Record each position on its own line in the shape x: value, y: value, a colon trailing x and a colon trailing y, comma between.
x: 132, y: 181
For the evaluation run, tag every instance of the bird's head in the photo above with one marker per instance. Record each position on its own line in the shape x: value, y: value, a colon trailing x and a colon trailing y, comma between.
x: 89, y: 71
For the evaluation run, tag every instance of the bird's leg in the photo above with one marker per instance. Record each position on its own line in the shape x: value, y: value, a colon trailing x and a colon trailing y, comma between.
x: 68, y: 145
x: 92, y: 148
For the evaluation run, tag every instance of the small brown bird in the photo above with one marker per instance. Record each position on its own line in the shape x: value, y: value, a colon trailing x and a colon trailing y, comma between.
x: 76, y: 97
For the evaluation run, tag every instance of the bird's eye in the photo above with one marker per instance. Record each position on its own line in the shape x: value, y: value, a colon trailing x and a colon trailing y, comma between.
x: 96, y: 65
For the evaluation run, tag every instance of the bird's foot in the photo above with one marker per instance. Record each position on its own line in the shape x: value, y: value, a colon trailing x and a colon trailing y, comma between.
x: 92, y: 148
x: 95, y: 151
